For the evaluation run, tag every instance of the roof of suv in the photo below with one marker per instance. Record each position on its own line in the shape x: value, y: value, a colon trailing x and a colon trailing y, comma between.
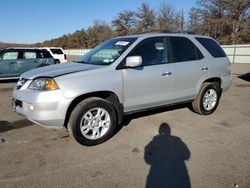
x: 51, y: 48
x: 22, y: 49
x: 163, y: 33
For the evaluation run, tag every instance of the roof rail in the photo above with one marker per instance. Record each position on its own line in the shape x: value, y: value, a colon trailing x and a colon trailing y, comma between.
x: 166, y: 31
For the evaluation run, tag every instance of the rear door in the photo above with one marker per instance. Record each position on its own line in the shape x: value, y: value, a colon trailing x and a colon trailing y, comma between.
x: 44, y: 58
x: 189, y: 68
x: 8, y: 64
x: 219, y: 62
x: 28, y: 61
x: 150, y: 84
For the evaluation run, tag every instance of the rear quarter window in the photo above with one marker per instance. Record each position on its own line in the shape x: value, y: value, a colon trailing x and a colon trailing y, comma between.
x: 56, y: 51
x: 43, y: 54
x: 211, y: 46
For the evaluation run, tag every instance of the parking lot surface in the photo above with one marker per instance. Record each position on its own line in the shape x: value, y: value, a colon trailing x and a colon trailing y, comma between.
x: 172, y: 147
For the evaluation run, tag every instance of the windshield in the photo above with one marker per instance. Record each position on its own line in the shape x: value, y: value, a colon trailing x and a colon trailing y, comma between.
x: 107, y: 52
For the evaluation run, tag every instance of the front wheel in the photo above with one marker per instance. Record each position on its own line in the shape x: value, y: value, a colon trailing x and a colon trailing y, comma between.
x: 208, y: 99
x: 93, y: 121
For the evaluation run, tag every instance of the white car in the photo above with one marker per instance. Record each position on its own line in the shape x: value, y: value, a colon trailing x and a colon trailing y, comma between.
x: 57, y: 53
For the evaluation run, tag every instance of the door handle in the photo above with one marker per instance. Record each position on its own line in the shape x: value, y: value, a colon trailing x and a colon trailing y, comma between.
x: 204, y: 69
x: 12, y: 63
x: 166, y: 74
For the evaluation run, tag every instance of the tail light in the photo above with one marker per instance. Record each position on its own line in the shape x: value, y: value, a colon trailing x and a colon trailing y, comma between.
x: 65, y: 56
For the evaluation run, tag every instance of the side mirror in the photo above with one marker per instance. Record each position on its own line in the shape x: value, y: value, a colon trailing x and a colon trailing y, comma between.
x: 133, y: 61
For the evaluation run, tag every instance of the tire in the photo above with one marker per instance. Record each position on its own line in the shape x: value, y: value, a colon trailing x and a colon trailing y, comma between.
x: 93, y: 121
x: 57, y: 61
x: 200, y: 105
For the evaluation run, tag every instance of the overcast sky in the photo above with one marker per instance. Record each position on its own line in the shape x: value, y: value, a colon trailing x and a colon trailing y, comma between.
x: 30, y: 21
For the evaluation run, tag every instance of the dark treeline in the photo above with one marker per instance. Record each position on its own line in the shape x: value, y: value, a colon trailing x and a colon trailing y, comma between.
x: 10, y: 45
x: 228, y: 21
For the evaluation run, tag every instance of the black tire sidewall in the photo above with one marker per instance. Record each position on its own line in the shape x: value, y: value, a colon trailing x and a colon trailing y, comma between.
x: 81, y: 110
x: 57, y: 61
x: 204, y: 90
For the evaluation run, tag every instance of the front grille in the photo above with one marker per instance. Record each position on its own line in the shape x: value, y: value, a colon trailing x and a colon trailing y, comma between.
x: 18, y: 103
x: 21, y: 82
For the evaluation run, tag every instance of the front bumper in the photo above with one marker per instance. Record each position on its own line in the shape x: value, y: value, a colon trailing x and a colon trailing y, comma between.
x: 45, y: 108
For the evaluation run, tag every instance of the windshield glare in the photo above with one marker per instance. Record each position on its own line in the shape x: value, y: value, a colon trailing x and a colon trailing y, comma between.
x: 107, y: 52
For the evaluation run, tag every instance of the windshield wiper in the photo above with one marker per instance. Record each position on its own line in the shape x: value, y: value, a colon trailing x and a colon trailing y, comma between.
x: 77, y: 61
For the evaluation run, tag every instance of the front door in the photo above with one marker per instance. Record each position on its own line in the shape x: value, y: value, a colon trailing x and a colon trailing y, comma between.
x: 8, y: 64
x: 150, y: 84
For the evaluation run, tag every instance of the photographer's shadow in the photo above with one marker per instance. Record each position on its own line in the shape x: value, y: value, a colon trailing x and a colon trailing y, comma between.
x: 167, y: 154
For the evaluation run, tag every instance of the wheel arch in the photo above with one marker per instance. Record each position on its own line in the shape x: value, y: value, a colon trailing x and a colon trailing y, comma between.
x: 211, y: 80
x: 111, y: 97
x: 215, y: 80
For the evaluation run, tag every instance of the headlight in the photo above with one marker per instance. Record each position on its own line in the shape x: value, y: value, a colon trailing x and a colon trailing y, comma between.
x: 43, y: 84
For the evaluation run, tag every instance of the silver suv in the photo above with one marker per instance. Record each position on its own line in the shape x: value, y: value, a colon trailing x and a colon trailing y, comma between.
x: 121, y: 76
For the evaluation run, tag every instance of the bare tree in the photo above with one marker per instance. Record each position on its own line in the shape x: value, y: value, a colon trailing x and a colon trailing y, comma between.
x: 125, y: 23
x: 222, y: 19
x: 237, y: 11
x: 98, y: 33
x: 145, y: 18
x: 165, y: 17
x: 194, y: 20
x: 179, y: 21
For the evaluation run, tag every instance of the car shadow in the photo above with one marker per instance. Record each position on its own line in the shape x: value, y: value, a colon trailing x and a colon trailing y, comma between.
x: 7, y: 126
x: 166, y: 154
x: 245, y: 77
x: 128, y: 118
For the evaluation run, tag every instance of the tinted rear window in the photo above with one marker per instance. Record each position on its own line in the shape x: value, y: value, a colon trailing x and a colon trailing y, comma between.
x: 56, y: 51
x: 184, y: 50
x: 43, y: 54
x: 212, y: 47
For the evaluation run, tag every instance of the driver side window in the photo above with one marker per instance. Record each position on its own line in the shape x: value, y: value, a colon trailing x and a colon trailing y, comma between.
x: 153, y: 51
x: 10, y: 55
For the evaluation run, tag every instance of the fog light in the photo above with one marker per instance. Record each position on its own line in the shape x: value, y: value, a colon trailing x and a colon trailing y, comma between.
x: 30, y: 107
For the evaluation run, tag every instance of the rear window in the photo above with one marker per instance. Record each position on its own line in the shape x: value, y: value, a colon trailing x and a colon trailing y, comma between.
x: 212, y: 47
x: 184, y: 50
x: 43, y: 54
x: 56, y: 51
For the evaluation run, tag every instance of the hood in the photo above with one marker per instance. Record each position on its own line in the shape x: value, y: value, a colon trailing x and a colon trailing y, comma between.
x: 58, y: 70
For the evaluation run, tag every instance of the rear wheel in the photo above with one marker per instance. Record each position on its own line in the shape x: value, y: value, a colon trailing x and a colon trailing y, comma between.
x: 57, y: 61
x: 93, y: 121
x: 208, y: 99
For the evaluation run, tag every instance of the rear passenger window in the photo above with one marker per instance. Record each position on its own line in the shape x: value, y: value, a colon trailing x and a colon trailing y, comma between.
x: 56, y: 51
x: 212, y: 47
x: 29, y: 55
x: 184, y: 50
